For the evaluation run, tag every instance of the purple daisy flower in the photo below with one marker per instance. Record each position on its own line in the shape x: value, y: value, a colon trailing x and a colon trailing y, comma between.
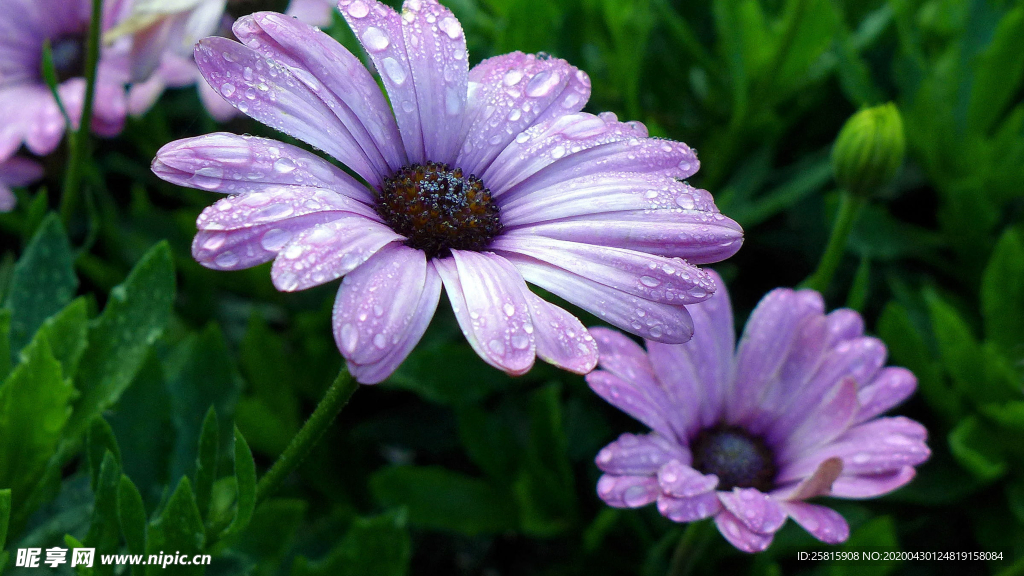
x: 29, y: 114
x: 748, y: 438
x: 479, y: 180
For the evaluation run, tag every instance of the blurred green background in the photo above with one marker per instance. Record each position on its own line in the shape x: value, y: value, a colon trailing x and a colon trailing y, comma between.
x: 116, y: 344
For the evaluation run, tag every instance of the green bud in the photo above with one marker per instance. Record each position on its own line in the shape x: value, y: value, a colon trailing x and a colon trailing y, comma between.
x: 869, y: 149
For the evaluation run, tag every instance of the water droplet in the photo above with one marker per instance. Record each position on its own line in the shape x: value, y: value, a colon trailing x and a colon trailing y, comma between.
x: 214, y: 242
x: 520, y: 341
x: 512, y: 77
x: 273, y: 212
x: 226, y: 259
x: 349, y: 338
x: 374, y: 39
x: 380, y: 341
x: 247, y: 73
x: 650, y: 281
x: 685, y: 201
x: 542, y: 84
x: 284, y: 165
x: 496, y: 346
x: 227, y: 89
x: 275, y: 239
x: 358, y: 9
x: 451, y: 27
x: 394, y: 70
x: 509, y: 309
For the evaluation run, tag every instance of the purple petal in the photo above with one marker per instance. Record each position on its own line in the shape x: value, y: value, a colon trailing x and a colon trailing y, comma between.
x: 19, y: 171
x: 510, y: 93
x: 489, y: 301
x: 627, y: 491
x: 602, y: 193
x: 769, y: 336
x: 698, y: 237
x: 229, y: 163
x: 639, y: 455
x: 651, y: 320
x: 890, y: 387
x: 757, y: 511
x: 379, y: 371
x: 880, y: 446
x: 802, y: 431
x: 681, y: 481
x: 633, y: 400
x: 689, y: 509
x: 739, y: 535
x: 623, y: 357
x: 279, y: 96
x: 248, y: 247
x: 636, y: 156
x: 329, y: 251
x: 823, y: 523
x: 697, y: 374
x: 817, y: 484
x: 654, y: 278
x: 335, y: 76
x: 871, y: 485
x: 275, y: 204
x: 548, y: 141
x: 378, y: 302
x: 844, y: 324
x: 421, y: 56
x: 561, y: 338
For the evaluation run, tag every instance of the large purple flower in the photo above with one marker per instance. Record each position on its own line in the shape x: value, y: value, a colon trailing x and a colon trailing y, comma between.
x: 477, y: 180
x: 28, y: 112
x: 747, y: 439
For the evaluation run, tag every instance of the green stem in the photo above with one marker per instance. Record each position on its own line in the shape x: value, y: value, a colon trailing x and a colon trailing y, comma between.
x: 849, y: 208
x: 78, y: 141
x: 334, y: 400
x: 691, y: 545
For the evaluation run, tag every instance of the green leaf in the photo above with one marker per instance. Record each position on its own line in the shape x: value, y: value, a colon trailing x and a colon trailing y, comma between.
x: 270, y: 534
x: 43, y: 282
x: 105, y: 530
x: 179, y: 529
x: 5, y: 343
x: 131, y: 515
x: 489, y: 441
x: 907, y: 347
x: 67, y: 332
x: 5, y: 515
x: 206, y: 461
x: 1002, y: 295
x: 998, y: 73
x: 378, y: 546
x: 960, y: 351
x: 861, y: 284
x: 544, y: 489
x: 135, y: 316
x: 71, y: 542
x: 200, y: 374
x: 269, y: 414
x: 976, y: 445
x: 440, y: 499
x: 245, y: 479
x: 100, y: 440
x: 449, y: 374
x: 34, y: 408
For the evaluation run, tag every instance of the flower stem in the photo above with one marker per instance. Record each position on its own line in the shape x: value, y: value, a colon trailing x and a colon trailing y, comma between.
x: 691, y: 545
x: 78, y: 141
x: 849, y: 208
x: 334, y: 400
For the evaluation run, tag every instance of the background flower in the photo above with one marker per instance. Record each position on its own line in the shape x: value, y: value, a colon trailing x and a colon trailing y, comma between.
x: 16, y: 171
x: 747, y: 438
x: 482, y: 178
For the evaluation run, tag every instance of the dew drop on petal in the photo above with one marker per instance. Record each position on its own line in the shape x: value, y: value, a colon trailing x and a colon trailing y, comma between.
x: 394, y: 70
x: 284, y: 165
x: 227, y: 89
x: 226, y: 259
x: 542, y: 84
x: 349, y: 338
x: 374, y: 39
x: 275, y: 239
x: 358, y: 9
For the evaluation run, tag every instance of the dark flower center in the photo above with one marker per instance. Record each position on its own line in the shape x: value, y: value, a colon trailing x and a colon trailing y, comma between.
x: 439, y: 208
x: 68, y: 56
x: 738, y: 458
x: 239, y: 8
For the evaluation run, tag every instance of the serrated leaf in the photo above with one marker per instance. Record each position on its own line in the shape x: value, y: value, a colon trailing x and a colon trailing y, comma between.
x: 245, y: 478
x: 206, y: 461
x: 34, y: 408
x: 977, y: 447
x: 105, y: 531
x: 135, y: 316
x: 67, y: 332
x: 179, y: 529
x: 131, y: 515
x: 441, y: 499
x: 1002, y: 295
x: 43, y: 282
x: 199, y: 374
x: 378, y: 546
x: 100, y: 440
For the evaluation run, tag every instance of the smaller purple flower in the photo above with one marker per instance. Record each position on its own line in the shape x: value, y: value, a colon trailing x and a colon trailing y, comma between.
x: 29, y: 114
x: 748, y: 438
x: 16, y: 171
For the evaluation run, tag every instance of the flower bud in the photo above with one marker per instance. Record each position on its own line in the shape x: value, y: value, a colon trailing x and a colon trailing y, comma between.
x: 869, y: 149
